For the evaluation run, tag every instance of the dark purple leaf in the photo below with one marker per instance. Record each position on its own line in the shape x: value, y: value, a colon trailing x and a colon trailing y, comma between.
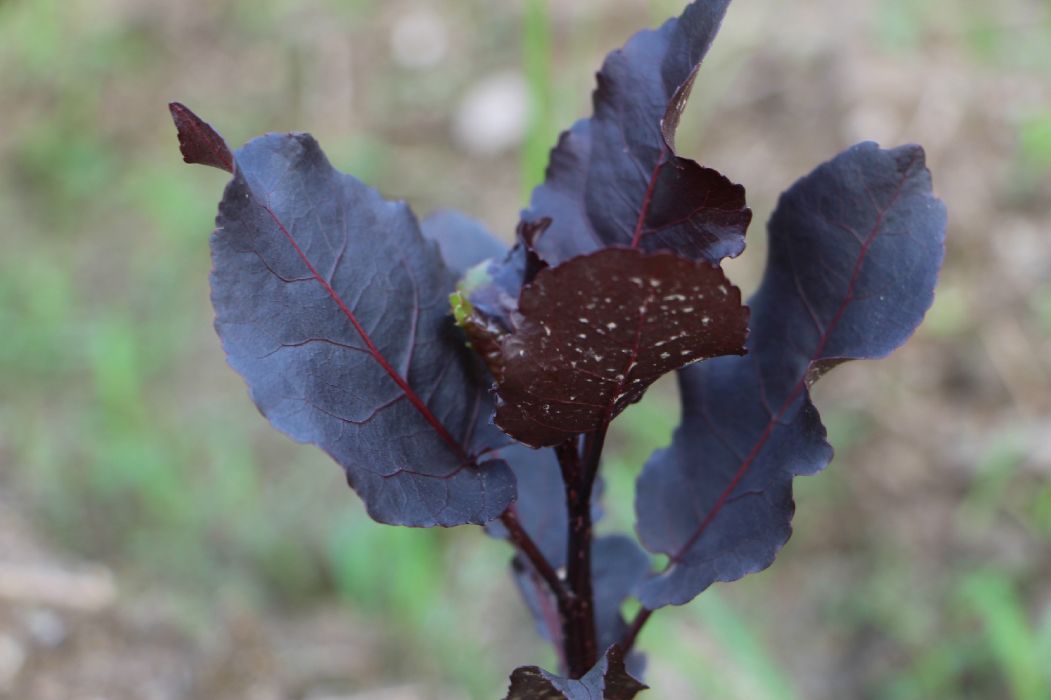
x: 855, y: 249
x: 614, y: 179
x: 486, y: 300
x: 463, y: 241
x: 596, y: 331
x: 333, y: 307
x: 198, y: 141
x: 618, y: 566
x: 490, y: 277
x: 608, y: 680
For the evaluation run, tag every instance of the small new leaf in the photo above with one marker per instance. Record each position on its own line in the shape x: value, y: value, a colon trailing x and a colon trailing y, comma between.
x: 609, y: 679
x: 618, y: 566
x: 595, y: 332
x: 486, y: 300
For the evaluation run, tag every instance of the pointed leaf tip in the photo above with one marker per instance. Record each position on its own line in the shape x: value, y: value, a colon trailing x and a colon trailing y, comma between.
x: 199, y: 142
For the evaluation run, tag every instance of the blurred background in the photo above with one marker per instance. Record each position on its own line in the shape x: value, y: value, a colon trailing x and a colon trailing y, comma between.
x: 159, y: 541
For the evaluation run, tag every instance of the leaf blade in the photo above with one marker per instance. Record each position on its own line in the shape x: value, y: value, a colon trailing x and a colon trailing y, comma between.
x: 855, y: 249
x: 344, y: 339
x: 615, y: 179
x: 463, y: 241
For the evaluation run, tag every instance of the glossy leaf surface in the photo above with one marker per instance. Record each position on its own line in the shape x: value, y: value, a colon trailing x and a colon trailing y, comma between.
x: 614, y: 179
x: 855, y: 249
x: 595, y: 332
x: 333, y: 307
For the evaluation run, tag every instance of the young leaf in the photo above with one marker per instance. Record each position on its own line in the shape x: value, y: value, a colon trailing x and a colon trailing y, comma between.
x: 609, y: 679
x: 332, y: 306
x: 463, y: 241
x: 614, y: 179
x: 486, y: 300
x: 596, y: 331
x: 855, y: 249
x: 199, y: 142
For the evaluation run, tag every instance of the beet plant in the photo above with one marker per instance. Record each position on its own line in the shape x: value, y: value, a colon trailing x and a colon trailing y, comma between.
x: 458, y: 382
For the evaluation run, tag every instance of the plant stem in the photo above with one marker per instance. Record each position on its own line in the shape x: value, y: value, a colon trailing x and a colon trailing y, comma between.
x: 580, y: 636
x: 532, y: 553
x: 628, y: 642
x: 593, y: 445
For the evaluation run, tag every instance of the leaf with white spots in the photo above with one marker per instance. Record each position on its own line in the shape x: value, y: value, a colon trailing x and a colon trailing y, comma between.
x: 597, y: 331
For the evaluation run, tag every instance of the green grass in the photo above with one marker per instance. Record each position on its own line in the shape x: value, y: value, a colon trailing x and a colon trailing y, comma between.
x: 541, y: 131
x: 1009, y: 638
x: 1034, y: 141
